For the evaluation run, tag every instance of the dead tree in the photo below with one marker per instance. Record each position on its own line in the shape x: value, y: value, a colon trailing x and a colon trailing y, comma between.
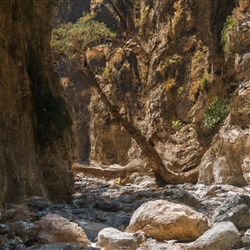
x: 162, y: 173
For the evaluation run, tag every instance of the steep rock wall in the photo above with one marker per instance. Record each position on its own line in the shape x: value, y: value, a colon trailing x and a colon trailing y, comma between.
x: 35, y: 141
x: 227, y: 160
x: 162, y: 72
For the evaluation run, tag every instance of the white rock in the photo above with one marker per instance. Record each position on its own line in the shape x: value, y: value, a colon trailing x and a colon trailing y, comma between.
x: 111, y: 238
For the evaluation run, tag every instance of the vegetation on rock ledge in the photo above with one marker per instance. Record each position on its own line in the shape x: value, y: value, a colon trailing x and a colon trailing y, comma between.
x: 70, y: 38
x: 228, y: 26
x: 217, y: 111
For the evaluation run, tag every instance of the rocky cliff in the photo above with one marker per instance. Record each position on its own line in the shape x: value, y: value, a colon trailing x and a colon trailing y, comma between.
x: 174, y: 72
x: 35, y: 141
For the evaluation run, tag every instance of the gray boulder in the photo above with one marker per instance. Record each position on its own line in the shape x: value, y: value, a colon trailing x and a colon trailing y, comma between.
x: 236, y: 210
x: 223, y: 236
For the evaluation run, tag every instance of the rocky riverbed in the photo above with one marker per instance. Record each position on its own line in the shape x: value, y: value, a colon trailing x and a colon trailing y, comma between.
x: 104, y: 214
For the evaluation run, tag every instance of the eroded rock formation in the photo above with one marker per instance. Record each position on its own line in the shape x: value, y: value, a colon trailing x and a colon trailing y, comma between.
x: 162, y: 72
x: 227, y: 160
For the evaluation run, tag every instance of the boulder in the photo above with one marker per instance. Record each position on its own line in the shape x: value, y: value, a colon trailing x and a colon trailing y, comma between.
x: 165, y: 220
x: 25, y: 230
x: 111, y: 238
x: 61, y: 246
x: 4, y: 243
x: 222, y: 236
x: 53, y: 228
x: 236, y: 210
x: 92, y: 229
x: 4, y: 229
x: 160, y: 246
x: 184, y: 197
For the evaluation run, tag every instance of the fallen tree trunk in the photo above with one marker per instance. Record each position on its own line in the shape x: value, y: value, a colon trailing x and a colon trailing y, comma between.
x: 162, y: 173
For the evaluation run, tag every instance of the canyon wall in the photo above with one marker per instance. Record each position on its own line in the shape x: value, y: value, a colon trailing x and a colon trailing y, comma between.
x: 35, y: 136
x: 178, y: 72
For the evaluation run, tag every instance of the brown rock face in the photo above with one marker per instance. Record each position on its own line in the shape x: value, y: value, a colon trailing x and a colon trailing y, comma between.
x: 164, y: 220
x: 35, y: 143
x: 161, y: 73
x: 227, y: 160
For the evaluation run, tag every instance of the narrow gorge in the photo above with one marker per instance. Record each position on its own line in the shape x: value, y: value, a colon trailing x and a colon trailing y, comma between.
x: 125, y: 124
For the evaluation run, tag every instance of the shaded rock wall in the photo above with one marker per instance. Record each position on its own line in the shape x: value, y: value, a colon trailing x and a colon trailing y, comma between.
x: 35, y: 141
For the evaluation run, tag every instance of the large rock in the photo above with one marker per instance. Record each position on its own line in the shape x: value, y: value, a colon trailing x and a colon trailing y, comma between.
x: 4, y: 229
x: 236, y: 210
x: 53, y: 228
x: 61, y: 246
x: 184, y: 197
x: 164, y: 220
x: 223, y: 236
x: 24, y: 230
x: 225, y: 162
x: 111, y: 238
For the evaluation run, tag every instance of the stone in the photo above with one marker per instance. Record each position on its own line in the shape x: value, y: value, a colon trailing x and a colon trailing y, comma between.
x: 160, y: 246
x: 164, y: 220
x: 222, y: 236
x: 62, y: 246
x: 17, y: 243
x: 25, y: 230
x: 39, y: 204
x: 245, y: 241
x: 236, y: 210
x: 121, y: 221
x: 92, y: 229
x: 184, y: 197
x: 111, y: 238
x: 17, y: 212
x: 4, y: 229
x: 4, y: 243
x: 54, y: 228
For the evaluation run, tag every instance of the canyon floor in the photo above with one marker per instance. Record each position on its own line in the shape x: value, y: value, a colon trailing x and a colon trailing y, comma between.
x: 99, y: 216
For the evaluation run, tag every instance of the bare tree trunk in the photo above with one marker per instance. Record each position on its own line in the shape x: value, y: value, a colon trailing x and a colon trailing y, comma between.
x: 163, y: 175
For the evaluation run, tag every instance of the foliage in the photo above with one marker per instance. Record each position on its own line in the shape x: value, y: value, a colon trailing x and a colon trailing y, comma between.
x: 145, y: 13
x: 205, y: 79
x: 217, y: 111
x: 72, y: 38
x: 179, y: 90
x: 176, y: 123
x: 143, y: 19
x: 203, y: 82
x: 107, y: 71
x: 227, y: 28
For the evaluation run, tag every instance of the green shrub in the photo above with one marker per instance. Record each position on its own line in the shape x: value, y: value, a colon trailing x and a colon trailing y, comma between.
x: 203, y: 82
x: 227, y: 28
x: 217, y: 111
x: 72, y: 38
x: 145, y: 13
x: 205, y: 79
x: 107, y: 71
x: 176, y: 123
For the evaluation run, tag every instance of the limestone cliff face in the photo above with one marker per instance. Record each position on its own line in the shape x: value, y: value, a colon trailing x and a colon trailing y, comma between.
x: 35, y: 143
x: 169, y: 61
x: 228, y: 159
